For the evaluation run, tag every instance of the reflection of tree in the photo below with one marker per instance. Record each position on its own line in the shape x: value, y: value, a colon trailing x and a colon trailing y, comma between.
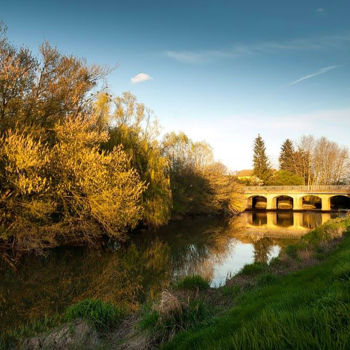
x: 44, y: 286
x: 262, y: 249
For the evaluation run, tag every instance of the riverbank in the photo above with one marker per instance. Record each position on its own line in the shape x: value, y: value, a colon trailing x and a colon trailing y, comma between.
x: 292, y: 302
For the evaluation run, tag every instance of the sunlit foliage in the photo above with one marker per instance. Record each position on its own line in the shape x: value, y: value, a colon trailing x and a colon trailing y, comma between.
x: 133, y: 126
x: 69, y: 191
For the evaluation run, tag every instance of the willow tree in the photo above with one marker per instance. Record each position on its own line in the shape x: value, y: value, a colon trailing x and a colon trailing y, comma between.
x: 132, y: 125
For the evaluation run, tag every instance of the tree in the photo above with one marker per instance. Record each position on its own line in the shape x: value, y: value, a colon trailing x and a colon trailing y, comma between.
x: 286, y: 158
x: 321, y: 162
x: 285, y: 178
x: 199, y: 185
x: 132, y: 125
x: 262, y: 167
x: 40, y: 92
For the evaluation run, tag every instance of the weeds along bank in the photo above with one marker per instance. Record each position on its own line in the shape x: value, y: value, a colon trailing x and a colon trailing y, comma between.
x: 77, y: 164
x: 301, y: 300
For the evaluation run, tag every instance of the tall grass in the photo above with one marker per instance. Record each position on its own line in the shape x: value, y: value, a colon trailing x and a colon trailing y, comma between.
x: 194, y: 282
x: 102, y: 315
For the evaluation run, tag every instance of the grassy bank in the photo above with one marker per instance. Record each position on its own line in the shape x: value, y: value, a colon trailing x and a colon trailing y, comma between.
x: 301, y: 300
x: 283, y: 307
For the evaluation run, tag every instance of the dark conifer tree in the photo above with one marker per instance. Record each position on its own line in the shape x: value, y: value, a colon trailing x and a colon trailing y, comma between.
x: 262, y: 167
x: 286, y: 158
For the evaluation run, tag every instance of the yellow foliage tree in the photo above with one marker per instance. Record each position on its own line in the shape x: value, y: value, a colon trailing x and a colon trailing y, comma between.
x: 69, y: 192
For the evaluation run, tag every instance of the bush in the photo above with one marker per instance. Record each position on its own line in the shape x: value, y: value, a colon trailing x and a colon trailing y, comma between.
x: 253, y: 269
x: 101, y: 315
x: 194, y: 282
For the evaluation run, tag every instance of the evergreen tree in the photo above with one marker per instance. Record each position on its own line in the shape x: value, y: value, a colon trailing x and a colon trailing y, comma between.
x: 286, y: 158
x: 262, y: 167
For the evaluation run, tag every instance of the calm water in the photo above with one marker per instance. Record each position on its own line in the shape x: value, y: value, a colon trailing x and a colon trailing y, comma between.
x: 210, y: 247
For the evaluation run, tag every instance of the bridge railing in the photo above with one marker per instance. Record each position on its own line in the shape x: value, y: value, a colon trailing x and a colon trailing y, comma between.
x: 312, y: 188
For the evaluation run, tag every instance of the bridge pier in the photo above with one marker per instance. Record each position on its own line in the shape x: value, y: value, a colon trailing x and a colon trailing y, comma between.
x: 270, y: 203
x: 326, y: 203
x: 297, y: 203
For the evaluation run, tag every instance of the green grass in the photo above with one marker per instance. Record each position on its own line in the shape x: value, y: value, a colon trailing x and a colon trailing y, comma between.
x: 102, y: 315
x: 230, y: 291
x: 307, y: 309
x: 194, y: 282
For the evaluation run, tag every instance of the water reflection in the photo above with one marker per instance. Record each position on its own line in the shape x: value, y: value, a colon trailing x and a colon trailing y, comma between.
x: 294, y: 221
x: 210, y: 247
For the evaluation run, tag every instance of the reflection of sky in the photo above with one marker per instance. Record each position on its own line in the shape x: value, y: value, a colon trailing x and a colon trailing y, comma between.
x: 239, y: 254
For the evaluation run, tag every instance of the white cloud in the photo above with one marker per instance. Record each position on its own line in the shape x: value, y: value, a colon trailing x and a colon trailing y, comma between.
x: 141, y: 77
x: 320, y: 10
x: 315, y: 74
x: 336, y: 41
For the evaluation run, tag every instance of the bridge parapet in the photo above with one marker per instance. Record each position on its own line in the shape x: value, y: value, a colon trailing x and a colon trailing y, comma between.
x: 334, y: 189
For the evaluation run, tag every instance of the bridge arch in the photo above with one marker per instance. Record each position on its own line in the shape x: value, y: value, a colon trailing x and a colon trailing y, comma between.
x: 339, y: 202
x: 311, y: 202
x: 257, y: 202
x: 283, y: 202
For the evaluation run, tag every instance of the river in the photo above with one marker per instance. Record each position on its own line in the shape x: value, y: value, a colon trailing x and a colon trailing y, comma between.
x: 148, y: 263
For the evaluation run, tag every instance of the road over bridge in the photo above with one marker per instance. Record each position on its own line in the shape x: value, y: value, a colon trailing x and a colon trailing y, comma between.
x: 276, y: 197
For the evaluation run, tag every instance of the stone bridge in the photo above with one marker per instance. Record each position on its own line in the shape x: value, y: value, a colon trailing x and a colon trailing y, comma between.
x: 292, y: 197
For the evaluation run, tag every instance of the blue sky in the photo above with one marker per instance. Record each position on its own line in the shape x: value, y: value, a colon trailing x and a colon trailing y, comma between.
x: 222, y: 71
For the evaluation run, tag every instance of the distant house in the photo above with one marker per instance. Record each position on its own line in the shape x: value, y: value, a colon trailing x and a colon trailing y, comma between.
x: 245, y: 174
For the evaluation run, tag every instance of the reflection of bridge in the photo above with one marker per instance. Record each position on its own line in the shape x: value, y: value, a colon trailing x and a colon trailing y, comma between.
x: 283, y: 224
x: 296, y: 194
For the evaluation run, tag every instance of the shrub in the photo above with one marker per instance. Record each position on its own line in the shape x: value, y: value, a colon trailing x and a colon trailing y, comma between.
x: 102, y: 315
x: 253, y: 269
x: 194, y: 282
